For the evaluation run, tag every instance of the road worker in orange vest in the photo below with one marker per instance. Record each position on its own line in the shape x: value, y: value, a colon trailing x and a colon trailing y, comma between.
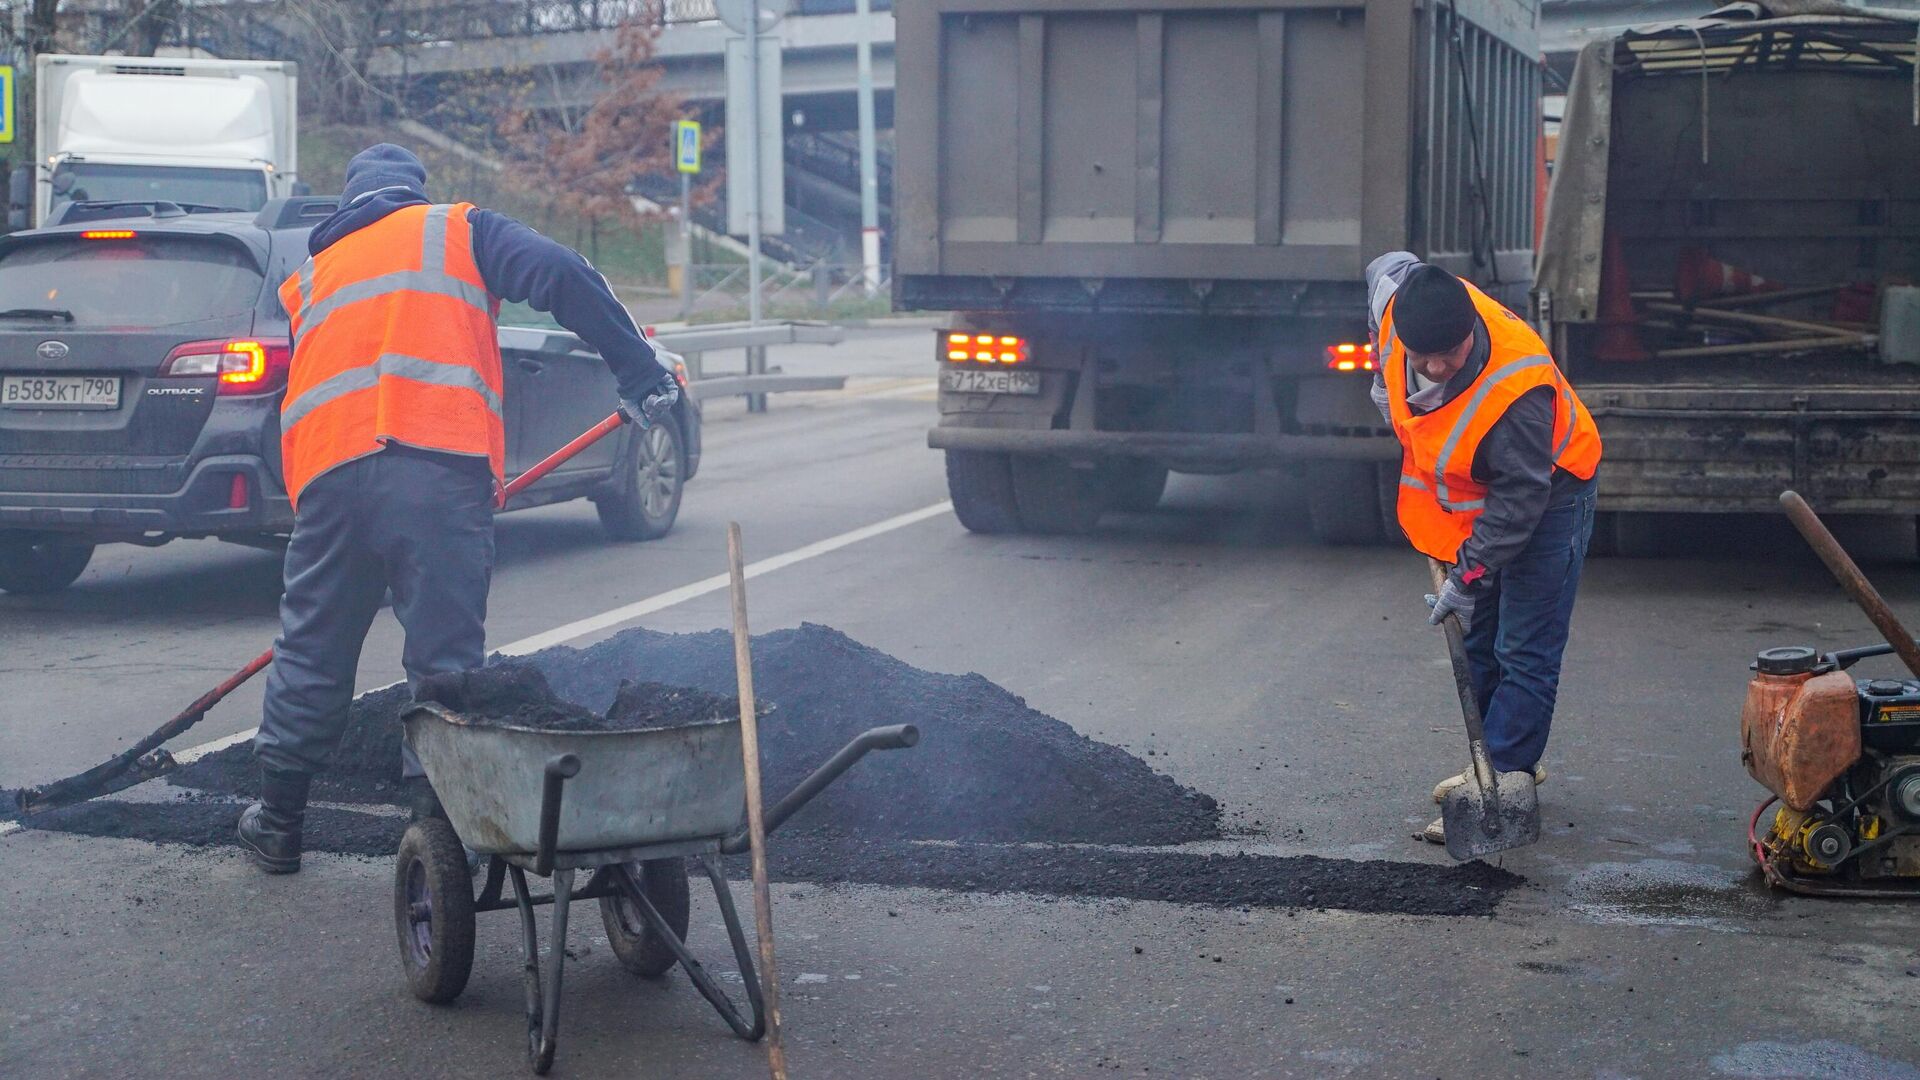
x: 1497, y: 479
x: 393, y: 452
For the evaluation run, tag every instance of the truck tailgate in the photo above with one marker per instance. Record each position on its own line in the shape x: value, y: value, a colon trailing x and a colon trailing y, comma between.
x: 1847, y: 448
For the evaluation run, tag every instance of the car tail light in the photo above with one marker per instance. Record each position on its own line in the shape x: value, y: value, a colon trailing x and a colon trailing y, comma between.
x: 680, y: 373
x: 237, y: 492
x: 1350, y: 356
x: 109, y: 234
x: 243, y: 367
x: 983, y: 348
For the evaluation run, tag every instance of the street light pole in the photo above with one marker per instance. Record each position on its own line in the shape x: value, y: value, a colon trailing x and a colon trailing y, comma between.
x: 869, y: 155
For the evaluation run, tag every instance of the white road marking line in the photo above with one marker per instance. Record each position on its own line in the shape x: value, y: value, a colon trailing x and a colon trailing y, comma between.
x: 606, y: 620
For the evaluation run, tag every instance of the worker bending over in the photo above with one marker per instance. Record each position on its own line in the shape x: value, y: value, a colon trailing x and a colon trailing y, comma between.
x: 1497, y: 478
x: 394, y: 452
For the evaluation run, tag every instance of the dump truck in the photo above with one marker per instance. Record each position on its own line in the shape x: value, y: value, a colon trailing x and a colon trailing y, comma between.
x: 199, y: 133
x: 1153, y: 219
x: 1732, y: 235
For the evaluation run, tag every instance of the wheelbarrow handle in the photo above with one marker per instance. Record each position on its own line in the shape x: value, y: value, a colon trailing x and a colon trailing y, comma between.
x: 560, y: 769
x: 891, y: 737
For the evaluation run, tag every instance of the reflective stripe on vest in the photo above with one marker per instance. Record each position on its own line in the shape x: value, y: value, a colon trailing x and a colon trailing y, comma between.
x: 387, y: 350
x: 367, y: 376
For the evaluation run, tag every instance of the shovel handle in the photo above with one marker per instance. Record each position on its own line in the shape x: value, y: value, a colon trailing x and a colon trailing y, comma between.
x: 1469, y: 701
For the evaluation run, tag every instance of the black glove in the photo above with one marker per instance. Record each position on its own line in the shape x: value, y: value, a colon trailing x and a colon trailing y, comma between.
x: 657, y: 403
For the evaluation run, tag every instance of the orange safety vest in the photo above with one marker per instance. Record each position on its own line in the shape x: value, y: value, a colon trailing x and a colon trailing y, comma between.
x: 1439, y: 498
x: 394, y: 340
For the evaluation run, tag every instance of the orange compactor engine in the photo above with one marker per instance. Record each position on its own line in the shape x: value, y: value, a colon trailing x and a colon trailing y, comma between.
x: 1840, y: 754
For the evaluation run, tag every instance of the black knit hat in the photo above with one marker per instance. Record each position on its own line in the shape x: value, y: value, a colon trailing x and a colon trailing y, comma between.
x: 1432, y: 312
x: 383, y: 165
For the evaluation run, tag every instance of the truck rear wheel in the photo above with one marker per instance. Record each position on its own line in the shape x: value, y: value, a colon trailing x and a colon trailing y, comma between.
x: 1133, y: 484
x: 33, y: 563
x: 1055, y: 497
x: 980, y: 484
x: 1343, y: 502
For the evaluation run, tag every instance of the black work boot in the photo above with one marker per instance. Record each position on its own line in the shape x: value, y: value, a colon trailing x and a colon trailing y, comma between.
x: 270, y: 829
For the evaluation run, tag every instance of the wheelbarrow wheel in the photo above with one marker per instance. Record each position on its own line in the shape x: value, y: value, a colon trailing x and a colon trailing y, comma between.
x: 664, y: 883
x: 433, y: 911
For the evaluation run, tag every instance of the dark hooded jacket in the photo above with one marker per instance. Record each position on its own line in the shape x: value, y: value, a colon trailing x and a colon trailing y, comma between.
x: 518, y: 264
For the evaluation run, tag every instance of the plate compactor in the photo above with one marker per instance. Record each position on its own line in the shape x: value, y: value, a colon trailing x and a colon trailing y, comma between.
x: 1841, y: 755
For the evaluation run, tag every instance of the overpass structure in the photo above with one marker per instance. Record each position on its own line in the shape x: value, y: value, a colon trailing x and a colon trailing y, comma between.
x: 817, y: 42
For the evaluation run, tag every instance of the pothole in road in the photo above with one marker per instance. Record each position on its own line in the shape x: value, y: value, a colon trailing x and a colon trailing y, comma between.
x: 1004, y: 786
x: 1666, y: 892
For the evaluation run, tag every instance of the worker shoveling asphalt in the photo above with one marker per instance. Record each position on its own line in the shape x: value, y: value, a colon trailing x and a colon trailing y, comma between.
x: 1498, y: 482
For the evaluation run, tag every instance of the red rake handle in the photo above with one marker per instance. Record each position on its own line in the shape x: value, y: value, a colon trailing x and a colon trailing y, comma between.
x: 96, y: 781
x: 559, y: 457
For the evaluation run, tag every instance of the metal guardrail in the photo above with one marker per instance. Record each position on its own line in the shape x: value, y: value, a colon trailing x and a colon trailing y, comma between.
x: 693, y: 342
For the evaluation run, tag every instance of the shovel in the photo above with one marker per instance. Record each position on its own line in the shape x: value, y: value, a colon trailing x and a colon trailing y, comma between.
x: 1493, y: 811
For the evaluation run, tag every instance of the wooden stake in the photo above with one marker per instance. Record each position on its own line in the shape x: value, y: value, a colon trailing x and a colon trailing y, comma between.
x: 756, y: 823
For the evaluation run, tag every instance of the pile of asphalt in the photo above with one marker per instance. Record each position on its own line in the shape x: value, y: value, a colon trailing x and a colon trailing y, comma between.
x: 988, y: 767
x: 996, y: 798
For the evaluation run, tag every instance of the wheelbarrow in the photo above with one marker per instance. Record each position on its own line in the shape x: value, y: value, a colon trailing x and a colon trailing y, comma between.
x: 630, y: 807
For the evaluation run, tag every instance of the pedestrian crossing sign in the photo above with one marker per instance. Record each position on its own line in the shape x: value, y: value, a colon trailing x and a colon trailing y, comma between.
x: 686, y: 145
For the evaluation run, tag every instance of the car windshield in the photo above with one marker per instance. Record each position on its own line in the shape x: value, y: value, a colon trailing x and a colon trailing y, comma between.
x: 235, y: 189
x: 142, y: 282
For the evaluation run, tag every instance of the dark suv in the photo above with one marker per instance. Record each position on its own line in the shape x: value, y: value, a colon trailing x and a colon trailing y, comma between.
x: 143, y: 354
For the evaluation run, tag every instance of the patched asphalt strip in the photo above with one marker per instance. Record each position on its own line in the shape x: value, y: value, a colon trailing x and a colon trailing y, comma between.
x: 1072, y: 872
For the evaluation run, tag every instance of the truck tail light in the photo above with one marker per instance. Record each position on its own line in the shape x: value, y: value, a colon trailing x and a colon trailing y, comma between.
x: 976, y: 348
x: 242, y: 366
x: 1350, y: 356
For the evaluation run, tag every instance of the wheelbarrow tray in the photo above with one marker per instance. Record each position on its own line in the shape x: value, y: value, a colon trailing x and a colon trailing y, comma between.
x: 635, y: 788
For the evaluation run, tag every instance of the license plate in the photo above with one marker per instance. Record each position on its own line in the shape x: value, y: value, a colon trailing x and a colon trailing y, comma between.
x: 977, y: 381
x: 60, y: 392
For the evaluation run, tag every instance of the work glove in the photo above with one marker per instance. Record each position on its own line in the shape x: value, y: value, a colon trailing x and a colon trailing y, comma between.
x: 1454, y: 599
x: 657, y: 403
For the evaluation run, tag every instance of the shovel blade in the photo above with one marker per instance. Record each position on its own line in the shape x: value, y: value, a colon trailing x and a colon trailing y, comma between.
x: 1477, y: 826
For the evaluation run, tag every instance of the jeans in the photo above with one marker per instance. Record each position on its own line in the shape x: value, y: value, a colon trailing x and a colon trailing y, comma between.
x: 1520, y: 630
x: 415, y: 522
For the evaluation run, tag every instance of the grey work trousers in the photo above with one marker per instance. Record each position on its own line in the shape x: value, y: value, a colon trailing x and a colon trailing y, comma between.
x: 413, y: 521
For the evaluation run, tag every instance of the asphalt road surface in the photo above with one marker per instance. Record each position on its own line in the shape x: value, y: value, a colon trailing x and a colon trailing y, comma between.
x: 1297, y: 684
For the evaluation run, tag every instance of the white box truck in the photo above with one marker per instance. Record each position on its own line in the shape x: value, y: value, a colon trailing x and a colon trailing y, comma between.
x: 196, y: 132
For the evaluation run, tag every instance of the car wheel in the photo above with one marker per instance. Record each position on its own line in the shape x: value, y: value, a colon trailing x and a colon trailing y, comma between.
x: 33, y: 562
x: 650, y: 477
